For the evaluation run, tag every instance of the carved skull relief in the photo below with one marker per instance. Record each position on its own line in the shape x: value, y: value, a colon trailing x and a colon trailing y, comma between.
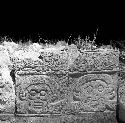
x: 38, y: 96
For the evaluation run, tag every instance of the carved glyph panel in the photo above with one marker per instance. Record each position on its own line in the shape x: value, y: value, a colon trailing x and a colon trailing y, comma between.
x: 95, y: 92
x: 39, y: 95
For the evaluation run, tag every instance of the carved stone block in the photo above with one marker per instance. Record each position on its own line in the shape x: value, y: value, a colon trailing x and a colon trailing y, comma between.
x: 40, y: 94
x: 94, y: 92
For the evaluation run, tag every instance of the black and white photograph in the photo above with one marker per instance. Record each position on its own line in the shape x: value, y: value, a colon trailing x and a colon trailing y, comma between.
x: 70, y: 76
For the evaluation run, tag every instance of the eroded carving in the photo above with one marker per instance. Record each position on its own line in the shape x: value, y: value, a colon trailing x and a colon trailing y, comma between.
x: 94, y: 92
x: 40, y: 95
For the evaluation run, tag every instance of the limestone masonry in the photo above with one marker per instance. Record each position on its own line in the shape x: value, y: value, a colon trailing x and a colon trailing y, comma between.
x: 60, y: 81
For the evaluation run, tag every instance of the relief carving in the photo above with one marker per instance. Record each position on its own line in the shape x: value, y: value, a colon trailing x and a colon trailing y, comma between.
x: 39, y: 95
x: 39, y: 91
x: 95, y: 92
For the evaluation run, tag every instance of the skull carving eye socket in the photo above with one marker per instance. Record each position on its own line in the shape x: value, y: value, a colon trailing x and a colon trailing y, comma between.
x: 100, y: 88
x: 33, y: 92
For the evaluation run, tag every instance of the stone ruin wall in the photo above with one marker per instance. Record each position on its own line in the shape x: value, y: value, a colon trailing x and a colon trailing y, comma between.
x: 60, y: 81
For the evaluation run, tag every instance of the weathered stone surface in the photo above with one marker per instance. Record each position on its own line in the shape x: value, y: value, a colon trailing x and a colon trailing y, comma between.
x: 77, y: 86
x: 40, y: 94
x: 10, y: 118
x: 121, y: 97
x: 86, y: 117
x: 7, y: 93
x: 93, y: 92
x: 54, y: 60
x: 90, y: 61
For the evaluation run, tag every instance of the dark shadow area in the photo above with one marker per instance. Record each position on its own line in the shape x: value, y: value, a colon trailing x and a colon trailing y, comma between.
x: 12, y: 74
x: 120, y: 113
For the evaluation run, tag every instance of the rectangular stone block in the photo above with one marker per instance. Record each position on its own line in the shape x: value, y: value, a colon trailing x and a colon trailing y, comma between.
x: 41, y: 94
x: 93, y: 92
